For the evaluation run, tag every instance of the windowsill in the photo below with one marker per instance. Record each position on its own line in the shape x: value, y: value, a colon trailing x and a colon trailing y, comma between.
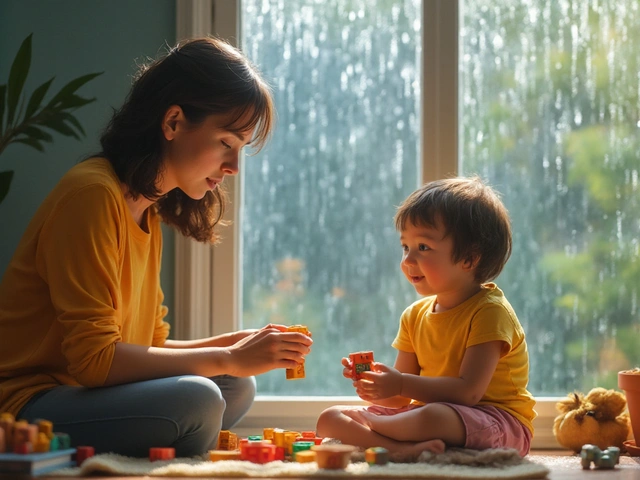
x: 300, y: 413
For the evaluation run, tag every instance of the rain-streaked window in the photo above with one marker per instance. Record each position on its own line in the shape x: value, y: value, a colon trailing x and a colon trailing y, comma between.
x: 548, y: 114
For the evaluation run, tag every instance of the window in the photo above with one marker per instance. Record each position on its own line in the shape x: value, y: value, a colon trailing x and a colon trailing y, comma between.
x: 546, y: 108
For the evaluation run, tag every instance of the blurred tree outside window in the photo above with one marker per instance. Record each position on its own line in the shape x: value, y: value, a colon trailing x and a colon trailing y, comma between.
x: 549, y: 114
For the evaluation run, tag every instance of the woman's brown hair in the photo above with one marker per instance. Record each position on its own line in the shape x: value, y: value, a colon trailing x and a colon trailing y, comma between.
x: 203, y: 76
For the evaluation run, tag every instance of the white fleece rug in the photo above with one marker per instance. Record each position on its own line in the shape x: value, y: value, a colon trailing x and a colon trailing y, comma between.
x: 453, y: 464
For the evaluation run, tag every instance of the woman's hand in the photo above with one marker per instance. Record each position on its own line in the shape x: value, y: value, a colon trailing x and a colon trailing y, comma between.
x: 379, y: 383
x: 266, y: 349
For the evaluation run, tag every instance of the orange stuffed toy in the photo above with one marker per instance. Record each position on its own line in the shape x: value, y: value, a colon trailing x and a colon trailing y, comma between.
x: 599, y: 418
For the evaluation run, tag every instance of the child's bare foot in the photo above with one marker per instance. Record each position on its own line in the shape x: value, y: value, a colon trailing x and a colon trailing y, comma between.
x: 433, y: 446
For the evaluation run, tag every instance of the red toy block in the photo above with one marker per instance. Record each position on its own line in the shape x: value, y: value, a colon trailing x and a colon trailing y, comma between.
x: 84, y: 452
x: 162, y: 453
x: 258, y: 452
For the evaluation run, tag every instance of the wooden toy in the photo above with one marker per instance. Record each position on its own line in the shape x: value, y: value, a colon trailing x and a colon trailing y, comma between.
x: 162, y: 453
x: 218, y: 455
x: 333, y: 456
x: 602, y: 459
x: 84, y: 452
x: 360, y: 362
x: 376, y: 456
x: 298, y: 372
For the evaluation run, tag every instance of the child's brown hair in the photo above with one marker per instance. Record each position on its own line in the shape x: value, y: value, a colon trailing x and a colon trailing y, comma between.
x: 472, y: 213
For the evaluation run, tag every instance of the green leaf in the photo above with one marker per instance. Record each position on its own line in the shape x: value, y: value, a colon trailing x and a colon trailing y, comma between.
x: 36, y: 98
x: 3, y: 92
x: 71, y: 87
x: 74, y: 101
x: 32, y: 142
x: 37, y: 133
x: 73, y: 121
x: 56, y: 122
x: 17, y: 77
x: 5, y: 182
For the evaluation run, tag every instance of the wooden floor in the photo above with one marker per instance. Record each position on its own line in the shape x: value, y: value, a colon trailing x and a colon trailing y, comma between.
x: 562, y: 468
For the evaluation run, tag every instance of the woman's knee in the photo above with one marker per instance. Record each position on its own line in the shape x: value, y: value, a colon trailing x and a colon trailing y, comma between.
x: 239, y: 393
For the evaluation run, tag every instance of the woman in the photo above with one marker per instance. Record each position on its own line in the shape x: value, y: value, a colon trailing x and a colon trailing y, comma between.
x: 83, y: 342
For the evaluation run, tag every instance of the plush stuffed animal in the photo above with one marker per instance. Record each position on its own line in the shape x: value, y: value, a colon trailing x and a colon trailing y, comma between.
x: 599, y: 418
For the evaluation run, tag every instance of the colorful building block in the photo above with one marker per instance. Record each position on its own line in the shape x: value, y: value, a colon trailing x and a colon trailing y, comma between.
x: 258, y: 452
x: 84, y: 452
x: 376, y: 456
x: 227, y: 440
x: 218, y: 455
x: 305, y: 456
x: 360, y: 362
x: 161, y: 453
x: 297, y: 372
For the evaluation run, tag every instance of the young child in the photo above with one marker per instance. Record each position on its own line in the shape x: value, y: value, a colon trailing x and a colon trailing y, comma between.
x: 460, y: 376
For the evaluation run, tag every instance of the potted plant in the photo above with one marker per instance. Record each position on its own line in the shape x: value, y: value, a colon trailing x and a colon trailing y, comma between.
x: 629, y: 382
x: 26, y: 122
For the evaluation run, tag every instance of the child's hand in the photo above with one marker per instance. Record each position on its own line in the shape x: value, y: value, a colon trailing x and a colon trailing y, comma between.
x: 383, y: 382
x: 347, y: 372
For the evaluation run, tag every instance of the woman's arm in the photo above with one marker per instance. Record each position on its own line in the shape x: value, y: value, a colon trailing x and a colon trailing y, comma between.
x: 256, y: 353
x: 223, y: 340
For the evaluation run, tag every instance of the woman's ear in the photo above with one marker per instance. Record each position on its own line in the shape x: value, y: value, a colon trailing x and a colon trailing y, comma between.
x: 173, y: 117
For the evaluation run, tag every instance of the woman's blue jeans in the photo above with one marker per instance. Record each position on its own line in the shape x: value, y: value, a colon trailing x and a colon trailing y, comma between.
x: 185, y: 412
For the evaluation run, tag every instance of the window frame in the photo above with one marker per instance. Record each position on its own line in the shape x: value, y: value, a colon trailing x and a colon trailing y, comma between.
x: 206, y: 278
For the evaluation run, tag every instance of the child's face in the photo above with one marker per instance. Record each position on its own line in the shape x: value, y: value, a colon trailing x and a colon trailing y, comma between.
x: 426, y: 262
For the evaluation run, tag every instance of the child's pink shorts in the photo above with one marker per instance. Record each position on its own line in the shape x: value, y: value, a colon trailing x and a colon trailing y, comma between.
x: 486, y: 426
x: 490, y: 427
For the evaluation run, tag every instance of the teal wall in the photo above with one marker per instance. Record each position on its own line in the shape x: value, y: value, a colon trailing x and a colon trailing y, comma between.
x: 72, y: 38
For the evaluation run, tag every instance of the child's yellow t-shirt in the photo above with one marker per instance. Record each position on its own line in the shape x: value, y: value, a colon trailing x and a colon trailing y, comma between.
x: 84, y: 277
x: 439, y: 341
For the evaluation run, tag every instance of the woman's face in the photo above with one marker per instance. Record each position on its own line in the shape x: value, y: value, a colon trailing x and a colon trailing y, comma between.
x: 197, y: 158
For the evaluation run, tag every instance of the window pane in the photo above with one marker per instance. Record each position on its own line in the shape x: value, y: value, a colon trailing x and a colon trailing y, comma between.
x: 550, y: 115
x: 319, y: 246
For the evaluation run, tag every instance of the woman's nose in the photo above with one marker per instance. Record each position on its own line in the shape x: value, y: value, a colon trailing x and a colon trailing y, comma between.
x: 231, y: 167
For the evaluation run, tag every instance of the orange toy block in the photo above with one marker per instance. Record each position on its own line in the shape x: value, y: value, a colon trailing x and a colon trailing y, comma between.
x: 46, y: 427
x: 82, y: 453
x: 42, y: 444
x: 227, y: 440
x: 162, y: 453
x: 217, y: 455
x: 305, y: 456
x: 360, y: 362
x: 297, y: 372
x: 7, y: 422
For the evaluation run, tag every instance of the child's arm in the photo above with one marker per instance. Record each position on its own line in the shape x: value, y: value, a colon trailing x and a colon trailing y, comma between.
x: 478, y: 365
x: 406, y: 362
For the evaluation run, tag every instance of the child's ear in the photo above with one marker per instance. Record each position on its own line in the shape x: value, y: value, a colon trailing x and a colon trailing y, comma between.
x: 471, y: 262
